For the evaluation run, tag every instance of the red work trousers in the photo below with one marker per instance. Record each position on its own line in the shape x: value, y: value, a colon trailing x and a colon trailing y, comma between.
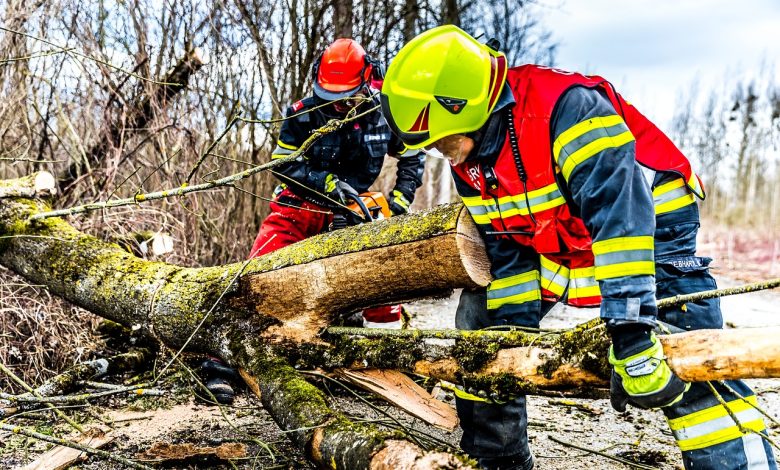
x: 293, y: 219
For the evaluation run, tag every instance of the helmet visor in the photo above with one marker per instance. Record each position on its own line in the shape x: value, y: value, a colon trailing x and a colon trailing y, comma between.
x: 413, y: 140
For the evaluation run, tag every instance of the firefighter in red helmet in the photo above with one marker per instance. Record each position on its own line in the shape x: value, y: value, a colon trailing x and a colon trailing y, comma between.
x: 333, y: 171
x: 339, y: 165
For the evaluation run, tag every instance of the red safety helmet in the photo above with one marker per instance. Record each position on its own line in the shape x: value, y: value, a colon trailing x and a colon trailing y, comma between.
x: 342, y: 70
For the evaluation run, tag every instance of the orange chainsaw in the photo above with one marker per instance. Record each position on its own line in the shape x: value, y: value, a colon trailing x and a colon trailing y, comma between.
x: 368, y: 207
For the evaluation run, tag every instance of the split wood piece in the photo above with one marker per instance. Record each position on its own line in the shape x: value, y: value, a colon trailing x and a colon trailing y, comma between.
x: 404, y: 393
x: 40, y: 184
x: 137, y: 116
x: 62, y: 457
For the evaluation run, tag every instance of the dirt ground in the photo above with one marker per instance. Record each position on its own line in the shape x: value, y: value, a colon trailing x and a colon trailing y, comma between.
x: 555, y: 426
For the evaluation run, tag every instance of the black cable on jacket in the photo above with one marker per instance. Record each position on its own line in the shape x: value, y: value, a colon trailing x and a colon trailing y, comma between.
x: 518, y: 160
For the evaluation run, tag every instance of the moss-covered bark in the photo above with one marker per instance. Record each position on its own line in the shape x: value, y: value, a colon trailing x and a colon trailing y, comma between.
x: 169, y: 303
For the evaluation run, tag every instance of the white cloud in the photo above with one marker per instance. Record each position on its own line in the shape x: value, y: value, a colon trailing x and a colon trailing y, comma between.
x: 653, y: 50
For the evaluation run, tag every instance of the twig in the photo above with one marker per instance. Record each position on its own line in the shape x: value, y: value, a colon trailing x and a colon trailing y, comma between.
x: 332, y: 125
x: 604, y: 454
x: 70, y: 50
x: 756, y: 407
x: 184, y: 189
x: 709, y: 294
x: 35, y: 55
x: 22, y: 384
x: 736, y: 420
x: 422, y: 334
x: 61, y: 399
x: 72, y: 445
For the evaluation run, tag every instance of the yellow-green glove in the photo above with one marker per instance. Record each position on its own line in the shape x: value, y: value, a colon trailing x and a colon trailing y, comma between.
x: 644, y: 380
x: 399, y: 204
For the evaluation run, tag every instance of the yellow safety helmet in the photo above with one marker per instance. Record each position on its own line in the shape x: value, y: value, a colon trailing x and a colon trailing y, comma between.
x: 442, y: 82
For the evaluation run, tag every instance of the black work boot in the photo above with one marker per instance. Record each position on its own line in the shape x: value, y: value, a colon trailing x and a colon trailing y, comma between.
x: 516, y: 462
x: 218, y: 377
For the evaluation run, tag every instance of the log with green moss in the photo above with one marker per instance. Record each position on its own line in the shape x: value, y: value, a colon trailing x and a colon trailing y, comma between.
x: 266, y: 315
x: 223, y: 311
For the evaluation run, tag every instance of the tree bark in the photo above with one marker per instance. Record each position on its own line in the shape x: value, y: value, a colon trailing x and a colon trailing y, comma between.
x: 229, y: 316
x: 235, y: 311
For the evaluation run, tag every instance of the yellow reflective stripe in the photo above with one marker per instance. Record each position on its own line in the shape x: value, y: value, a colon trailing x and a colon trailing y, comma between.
x: 517, y: 299
x: 581, y: 128
x: 582, y: 292
x: 714, y: 425
x: 634, y: 268
x: 592, y: 148
x: 481, y: 219
x: 666, y: 202
x: 554, y: 276
x: 713, y: 412
x: 517, y: 289
x: 485, y: 210
x: 624, y: 256
x: 582, y: 283
x: 693, y: 183
x: 675, y: 204
x: 666, y: 187
x: 514, y: 280
x: 721, y: 436
x: 623, y: 244
x: 286, y: 146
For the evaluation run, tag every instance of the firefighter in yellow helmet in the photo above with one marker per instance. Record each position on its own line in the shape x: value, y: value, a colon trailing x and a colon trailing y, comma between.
x: 580, y: 199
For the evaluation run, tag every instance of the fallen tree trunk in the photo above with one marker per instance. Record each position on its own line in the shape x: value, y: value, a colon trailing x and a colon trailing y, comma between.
x: 234, y: 311
x: 219, y: 310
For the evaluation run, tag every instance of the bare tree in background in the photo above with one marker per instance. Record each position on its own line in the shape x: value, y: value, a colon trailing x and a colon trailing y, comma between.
x: 733, y: 133
x: 81, y: 97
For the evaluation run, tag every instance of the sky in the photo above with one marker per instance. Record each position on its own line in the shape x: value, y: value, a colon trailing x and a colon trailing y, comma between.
x: 653, y: 50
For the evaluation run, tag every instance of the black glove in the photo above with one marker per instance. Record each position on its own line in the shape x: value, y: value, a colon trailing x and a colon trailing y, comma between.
x: 399, y: 204
x: 339, y: 190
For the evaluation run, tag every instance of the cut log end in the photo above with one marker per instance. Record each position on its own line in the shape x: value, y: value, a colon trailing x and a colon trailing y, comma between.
x: 40, y: 184
x: 472, y: 250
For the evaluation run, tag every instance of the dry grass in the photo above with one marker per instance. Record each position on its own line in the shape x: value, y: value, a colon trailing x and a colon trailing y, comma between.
x: 747, y: 254
x: 40, y: 334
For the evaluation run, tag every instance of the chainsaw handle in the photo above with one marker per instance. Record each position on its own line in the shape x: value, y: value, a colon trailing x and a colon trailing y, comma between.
x: 362, y: 205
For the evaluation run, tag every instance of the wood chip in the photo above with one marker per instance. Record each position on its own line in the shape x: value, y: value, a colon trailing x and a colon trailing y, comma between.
x: 61, y: 457
x: 165, y: 451
x: 404, y: 393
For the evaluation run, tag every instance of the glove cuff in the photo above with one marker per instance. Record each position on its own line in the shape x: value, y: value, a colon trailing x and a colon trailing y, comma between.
x: 629, y: 339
